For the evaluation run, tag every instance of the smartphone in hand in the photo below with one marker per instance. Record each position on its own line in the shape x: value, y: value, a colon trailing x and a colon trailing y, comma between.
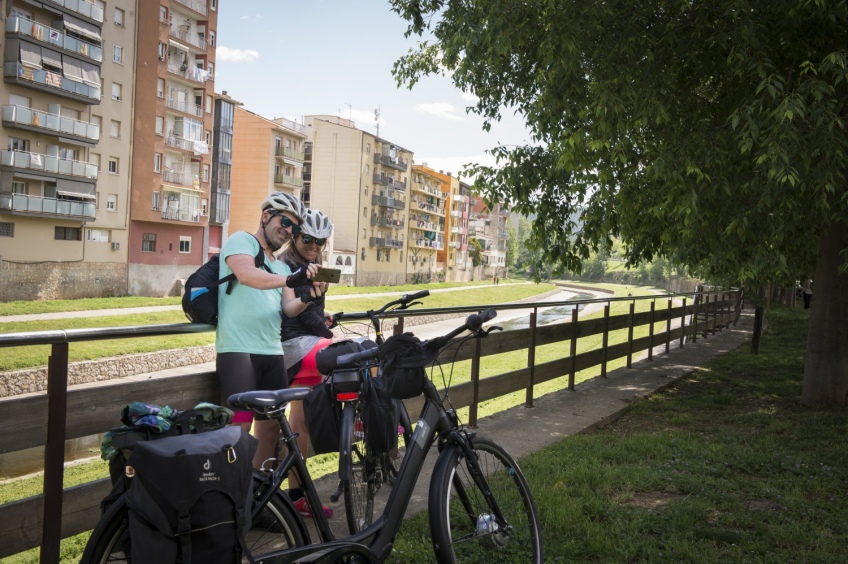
x: 332, y: 275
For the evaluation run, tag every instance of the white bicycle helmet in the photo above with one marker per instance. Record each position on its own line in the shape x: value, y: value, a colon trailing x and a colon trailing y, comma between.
x: 284, y: 202
x: 316, y: 224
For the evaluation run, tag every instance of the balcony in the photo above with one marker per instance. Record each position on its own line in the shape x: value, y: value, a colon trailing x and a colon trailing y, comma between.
x: 199, y: 7
x: 79, y: 8
x: 292, y: 125
x: 428, y: 189
x: 182, y: 178
x: 54, y: 83
x: 48, y: 165
x: 418, y: 204
x: 194, y: 145
x: 29, y: 119
x: 184, y: 34
x: 456, y: 213
x: 288, y: 180
x: 52, y: 207
x: 456, y: 230
x: 189, y: 72
x: 307, y: 176
x: 380, y: 221
x: 388, y: 160
x: 178, y: 213
x: 385, y: 243
x: 424, y: 225
x: 307, y: 151
x: 54, y: 37
x: 293, y: 154
x: 388, y: 202
x: 427, y: 244
x: 184, y: 106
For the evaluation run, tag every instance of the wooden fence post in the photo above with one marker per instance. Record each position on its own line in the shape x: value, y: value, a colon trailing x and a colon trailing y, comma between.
x: 398, y: 326
x: 54, y: 452
x: 651, y: 334
x: 605, y: 340
x: 531, y: 360
x: 683, y: 324
x: 573, y: 372
x: 668, y: 328
x: 758, y: 330
x: 630, y: 335
x: 475, y: 382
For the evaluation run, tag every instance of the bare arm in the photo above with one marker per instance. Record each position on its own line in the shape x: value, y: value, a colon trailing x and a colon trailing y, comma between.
x: 244, y: 267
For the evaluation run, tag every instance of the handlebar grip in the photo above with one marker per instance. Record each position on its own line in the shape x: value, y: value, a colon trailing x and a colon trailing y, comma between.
x: 416, y: 296
x: 352, y: 360
x: 476, y: 320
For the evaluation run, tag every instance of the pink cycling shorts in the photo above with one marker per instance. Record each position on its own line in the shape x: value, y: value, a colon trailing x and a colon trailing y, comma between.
x: 308, y: 375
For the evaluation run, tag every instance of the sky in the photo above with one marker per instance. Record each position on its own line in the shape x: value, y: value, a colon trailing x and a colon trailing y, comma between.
x: 285, y: 58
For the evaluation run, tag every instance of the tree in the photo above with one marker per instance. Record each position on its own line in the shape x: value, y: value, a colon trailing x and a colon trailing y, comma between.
x: 511, y: 249
x: 475, y: 252
x: 710, y: 133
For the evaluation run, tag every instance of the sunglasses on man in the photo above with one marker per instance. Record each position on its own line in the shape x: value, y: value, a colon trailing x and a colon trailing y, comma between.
x: 309, y: 239
x: 286, y: 222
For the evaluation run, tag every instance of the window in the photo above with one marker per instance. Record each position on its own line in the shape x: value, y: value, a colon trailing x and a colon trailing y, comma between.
x: 211, y: 38
x: 204, y: 206
x: 185, y: 244
x: 211, y: 68
x: 7, y: 229
x: 113, y: 165
x: 155, y: 202
x: 116, y: 91
x: 94, y: 158
x: 70, y: 154
x: 368, y: 148
x: 163, y: 14
x: 118, y: 54
x: 209, y: 105
x: 97, y: 200
x: 119, y: 17
x: 19, y: 188
x: 208, y: 137
x: 157, y: 162
x: 67, y: 234
x: 115, y: 130
x: 112, y: 202
x: 367, y: 169
x: 213, y: 4
x: 205, y: 173
x: 97, y: 120
x: 160, y: 87
x: 364, y: 212
x: 148, y: 242
x: 97, y: 235
x: 160, y: 125
x: 18, y: 144
x: 339, y: 261
x: 163, y: 50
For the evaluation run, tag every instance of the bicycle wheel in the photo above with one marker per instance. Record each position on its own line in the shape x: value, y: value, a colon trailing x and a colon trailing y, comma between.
x: 356, y: 470
x: 275, y: 528
x: 463, y: 526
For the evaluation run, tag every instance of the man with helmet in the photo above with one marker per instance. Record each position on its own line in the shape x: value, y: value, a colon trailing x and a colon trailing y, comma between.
x: 247, y: 342
x: 303, y: 336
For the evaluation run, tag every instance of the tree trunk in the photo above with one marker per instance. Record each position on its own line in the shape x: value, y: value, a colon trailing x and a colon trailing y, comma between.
x: 826, y: 365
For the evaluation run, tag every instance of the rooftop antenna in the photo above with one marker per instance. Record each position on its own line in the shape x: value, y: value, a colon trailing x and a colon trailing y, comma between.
x: 377, y: 119
x: 349, y: 111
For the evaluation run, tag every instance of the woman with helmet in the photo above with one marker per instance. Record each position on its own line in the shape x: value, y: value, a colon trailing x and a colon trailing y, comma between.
x: 303, y: 336
x: 249, y: 353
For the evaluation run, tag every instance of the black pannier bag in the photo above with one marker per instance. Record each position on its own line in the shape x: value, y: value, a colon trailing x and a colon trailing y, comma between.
x: 200, y: 300
x: 189, y: 501
x: 323, y: 416
x: 402, y: 359
x: 379, y: 417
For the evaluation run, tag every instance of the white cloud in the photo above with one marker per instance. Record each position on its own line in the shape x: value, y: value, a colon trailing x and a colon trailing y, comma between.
x: 439, y: 109
x: 469, y: 97
x: 454, y: 164
x: 236, y: 55
x: 244, y: 18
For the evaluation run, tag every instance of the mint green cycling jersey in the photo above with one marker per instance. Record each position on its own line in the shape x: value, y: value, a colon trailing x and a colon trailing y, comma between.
x: 249, y: 319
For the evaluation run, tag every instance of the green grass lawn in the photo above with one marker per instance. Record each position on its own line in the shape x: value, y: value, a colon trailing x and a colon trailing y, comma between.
x: 723, y: 467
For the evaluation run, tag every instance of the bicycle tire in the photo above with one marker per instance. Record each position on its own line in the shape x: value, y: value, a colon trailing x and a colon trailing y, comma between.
x: 275, y: 528
x: 356, y: 470
x: 463, y: 527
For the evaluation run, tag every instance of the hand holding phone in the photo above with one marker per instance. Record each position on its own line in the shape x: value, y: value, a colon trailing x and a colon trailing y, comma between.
x: 331, y: 275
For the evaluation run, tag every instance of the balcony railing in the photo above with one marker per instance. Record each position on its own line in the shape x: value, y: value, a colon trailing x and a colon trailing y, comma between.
x: 81, y: 7
x: 427, y: 206
x: 50, y: 36
x: 184, y: 106
x: 179, y: 142
x: 199, y: 7
x: 47, y: 206
x: 382, y: 242
x: 428, y: 189
x: 386, y: 222
x: 425, y: 225
x: 48, y: 164
x: 293, y: 125
x: 179, y: 177
x: 388, y: 160
x: 428, y: 244
x: 52, y: 81
x: 456, y: 213
x: 185, y: 35
x: 307, y: 151
x: 290, y: 180
x: 293, y: 153
x: 388, y: 202
x: 190, y: 72
x: 181, y: 213
x: 23, y: 116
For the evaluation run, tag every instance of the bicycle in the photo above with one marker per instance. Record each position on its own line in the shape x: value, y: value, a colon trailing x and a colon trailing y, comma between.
x: 481, y: 507
x: 363, y: 469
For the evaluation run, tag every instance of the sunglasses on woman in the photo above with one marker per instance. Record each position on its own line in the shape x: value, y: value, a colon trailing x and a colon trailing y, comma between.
x: 286, y: 222
x: 309, y: 239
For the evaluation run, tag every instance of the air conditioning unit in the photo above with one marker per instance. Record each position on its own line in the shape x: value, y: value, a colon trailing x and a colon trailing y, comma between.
x: 116, y: 245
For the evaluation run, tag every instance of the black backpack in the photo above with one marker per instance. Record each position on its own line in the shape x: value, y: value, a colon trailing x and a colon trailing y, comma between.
x: 190, y: 497
x: 200, y: 300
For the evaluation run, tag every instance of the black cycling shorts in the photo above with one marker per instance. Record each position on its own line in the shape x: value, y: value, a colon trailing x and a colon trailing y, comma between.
x: 246, y: 372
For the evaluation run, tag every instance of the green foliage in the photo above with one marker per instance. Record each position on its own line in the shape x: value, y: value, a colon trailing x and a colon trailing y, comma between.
x: 511, y: 249
x: 475, y: 251
x: 712, y: 133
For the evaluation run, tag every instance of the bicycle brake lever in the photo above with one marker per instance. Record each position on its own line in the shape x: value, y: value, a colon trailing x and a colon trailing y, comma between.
x: 492, y: 328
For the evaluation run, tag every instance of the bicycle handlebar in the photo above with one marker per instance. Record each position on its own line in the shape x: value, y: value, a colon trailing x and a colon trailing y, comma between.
x: 354, y: 359
x: 403, y: 302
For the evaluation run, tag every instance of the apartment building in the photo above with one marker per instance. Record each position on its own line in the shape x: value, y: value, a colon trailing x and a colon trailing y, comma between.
x: 66, y: 146
x: 268, y: 157
x: 170, y: 168
x: 429, y: 195
x: 458, y: 261
x: 490, y: 226
x: 362, y: 182
x: 222, y: 171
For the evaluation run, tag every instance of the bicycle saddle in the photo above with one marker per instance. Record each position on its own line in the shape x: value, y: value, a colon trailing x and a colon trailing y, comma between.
x: 265, y: 399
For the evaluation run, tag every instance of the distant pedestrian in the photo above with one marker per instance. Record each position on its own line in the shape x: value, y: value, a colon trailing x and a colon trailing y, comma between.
x: 807, y: 291
x: 494, y: 280
x: 497, y: 281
